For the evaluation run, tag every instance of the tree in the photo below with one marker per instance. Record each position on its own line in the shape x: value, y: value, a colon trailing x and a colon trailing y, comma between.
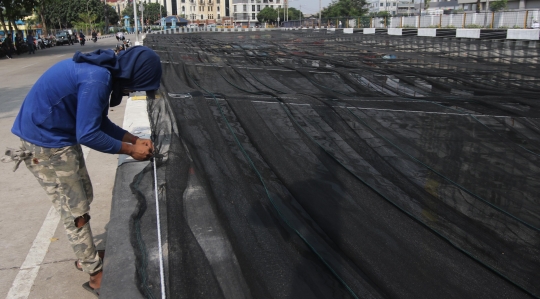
x: 498, y: 5
x: 268, y: 14
x: 86, y: 21
x: 128, y: 11
x: 345, y: 8
x: 64, y: 13
x: 295, y: 14
x: 14, y: 10
x: 151, y: 12
x: 112, y: 15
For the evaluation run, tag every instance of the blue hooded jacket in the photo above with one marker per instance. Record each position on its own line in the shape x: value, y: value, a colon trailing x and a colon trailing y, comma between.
x: 69, y: 103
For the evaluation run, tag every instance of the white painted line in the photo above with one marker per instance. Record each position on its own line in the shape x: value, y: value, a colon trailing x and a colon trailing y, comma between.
x: 265, y: 102
x: 430, y: 112
x: 20, y: 289
x: 29, y: 65
x: 22, y: 285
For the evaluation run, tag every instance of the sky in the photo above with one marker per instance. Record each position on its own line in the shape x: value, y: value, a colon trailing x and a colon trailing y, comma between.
x: 308, y: 6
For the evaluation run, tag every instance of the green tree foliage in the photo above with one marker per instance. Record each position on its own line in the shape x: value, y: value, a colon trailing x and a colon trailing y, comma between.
x: 14, y: 10
x: 65, y: 13
x: 86, y: 22
x: 112, y: 15
x: 345, y: 8
x: 295, y: 14
x: 151, y: 12
x: 268, y: 14
x: 498, y: 5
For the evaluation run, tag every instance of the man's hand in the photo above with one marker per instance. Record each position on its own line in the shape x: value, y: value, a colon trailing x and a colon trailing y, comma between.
x: 141, y: 150
x: 146, y: 142
x: 138, y: 148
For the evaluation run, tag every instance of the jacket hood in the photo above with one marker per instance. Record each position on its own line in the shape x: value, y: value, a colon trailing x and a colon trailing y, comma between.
x: 136, y: 69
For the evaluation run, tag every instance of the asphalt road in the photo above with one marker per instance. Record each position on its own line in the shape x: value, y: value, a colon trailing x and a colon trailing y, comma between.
x: 35, y: 257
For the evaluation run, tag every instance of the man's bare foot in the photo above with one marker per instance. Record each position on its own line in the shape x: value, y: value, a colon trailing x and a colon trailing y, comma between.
x: 95, y: 280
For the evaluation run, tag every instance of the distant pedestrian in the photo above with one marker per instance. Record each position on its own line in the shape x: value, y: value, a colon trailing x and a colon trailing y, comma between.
x: 8, y: 46
x: 120, y: 36
x: 30, y: 43
x: 18, y: 43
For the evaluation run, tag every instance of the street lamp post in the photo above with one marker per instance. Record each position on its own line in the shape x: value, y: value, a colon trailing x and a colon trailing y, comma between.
x: 141, y: 8
x: 87, y: 16
x: 320, y: 12
x: 160, y: 15
x: 278, y: 17
x: 135, y: 25
x: 300, y: 15
x: 106, y: 11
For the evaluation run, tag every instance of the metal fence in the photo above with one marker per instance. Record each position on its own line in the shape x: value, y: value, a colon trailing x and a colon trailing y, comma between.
x: 489, y: 20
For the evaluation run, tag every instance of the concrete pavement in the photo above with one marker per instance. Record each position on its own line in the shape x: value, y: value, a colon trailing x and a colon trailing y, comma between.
x: 31, y: 237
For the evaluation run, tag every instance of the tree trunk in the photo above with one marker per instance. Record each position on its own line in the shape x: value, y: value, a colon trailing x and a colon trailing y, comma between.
x: 10, y: 27
x: 15, y: 25
x: 43, y: 23
x: 2, y: 20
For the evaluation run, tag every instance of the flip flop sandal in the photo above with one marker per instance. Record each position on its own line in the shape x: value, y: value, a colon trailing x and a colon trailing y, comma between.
x: 90, y: 289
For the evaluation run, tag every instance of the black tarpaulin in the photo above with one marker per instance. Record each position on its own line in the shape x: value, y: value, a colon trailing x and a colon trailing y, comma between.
x: 304, y: 166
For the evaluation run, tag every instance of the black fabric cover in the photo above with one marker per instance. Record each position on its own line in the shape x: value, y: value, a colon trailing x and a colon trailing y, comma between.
x: 330, y: 171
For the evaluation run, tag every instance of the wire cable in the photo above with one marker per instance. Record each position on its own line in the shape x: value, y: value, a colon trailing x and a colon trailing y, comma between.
x: 158, y: 223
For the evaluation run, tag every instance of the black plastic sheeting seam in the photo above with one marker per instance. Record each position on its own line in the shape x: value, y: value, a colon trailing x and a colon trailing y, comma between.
x: 283, y: 105
x: 270, y: 196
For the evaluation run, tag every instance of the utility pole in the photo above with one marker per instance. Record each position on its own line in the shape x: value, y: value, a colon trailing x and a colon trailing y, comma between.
x: 278, y: 16
x: 106, y: 11
x: 320, y: 12
x: 141, y: 8
x: 135, y: 25
x: 286, y: 16
x: 160, y: 16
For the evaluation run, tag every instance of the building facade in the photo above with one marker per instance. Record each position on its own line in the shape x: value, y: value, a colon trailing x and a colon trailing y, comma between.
x: 436, y: 7
x: 245, y: 11
x: 193, y: 10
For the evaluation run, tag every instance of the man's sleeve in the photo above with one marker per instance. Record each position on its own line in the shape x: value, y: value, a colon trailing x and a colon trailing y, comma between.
x: 111, y: 128
x: 93, y: 100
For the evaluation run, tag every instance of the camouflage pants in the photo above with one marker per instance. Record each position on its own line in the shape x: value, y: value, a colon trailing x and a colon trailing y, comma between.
x: 62, y: 173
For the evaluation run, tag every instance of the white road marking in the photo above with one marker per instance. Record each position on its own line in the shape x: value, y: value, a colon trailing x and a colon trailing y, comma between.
x: 29, y: 65
x: 22, y: 285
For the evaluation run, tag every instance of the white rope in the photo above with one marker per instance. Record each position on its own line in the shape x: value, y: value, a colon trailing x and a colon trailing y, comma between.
x: 159, y: 234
